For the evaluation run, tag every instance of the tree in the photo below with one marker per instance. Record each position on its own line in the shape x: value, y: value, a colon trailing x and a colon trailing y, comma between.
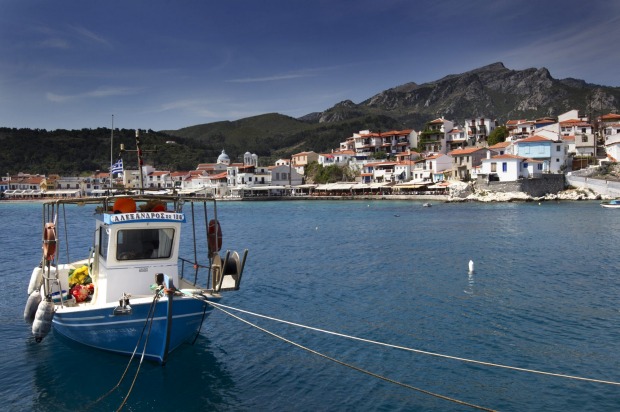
x: 498, y: 135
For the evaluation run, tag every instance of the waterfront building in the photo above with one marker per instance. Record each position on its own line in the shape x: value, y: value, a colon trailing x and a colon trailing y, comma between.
x: 379, y: 172
x: 501, y: 148
x: 337, y: 158
x: 285, y: 176
x: 477, y: 130
x: 553, y: 153
x: 612, y: 146
x: 303, y: 159
x: 465, y: 160
x: 456, y: 139
x: 435, y: 136
x: 519, y: 129
x: 437, y: 165
x: 366, y: 144
x: 508, y: 167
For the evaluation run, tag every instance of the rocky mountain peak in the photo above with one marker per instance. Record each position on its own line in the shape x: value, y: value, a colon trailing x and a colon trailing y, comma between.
x: 490, y: 91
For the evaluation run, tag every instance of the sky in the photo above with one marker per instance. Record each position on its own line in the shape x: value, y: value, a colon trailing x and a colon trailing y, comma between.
x: 165, y: 65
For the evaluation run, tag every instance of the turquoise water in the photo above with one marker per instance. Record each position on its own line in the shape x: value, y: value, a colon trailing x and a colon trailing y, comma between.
x: 544, y: 296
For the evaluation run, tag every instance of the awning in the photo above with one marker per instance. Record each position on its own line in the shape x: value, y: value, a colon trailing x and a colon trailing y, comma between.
x: 439, y: 186
x: 62, y: 192
x: 102, y: 191
x: 411, y: 185
x: 196, y: 190
x: 264, y: 188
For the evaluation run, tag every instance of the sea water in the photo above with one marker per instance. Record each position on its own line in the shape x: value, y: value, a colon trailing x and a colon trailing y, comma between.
x: 544, y: 296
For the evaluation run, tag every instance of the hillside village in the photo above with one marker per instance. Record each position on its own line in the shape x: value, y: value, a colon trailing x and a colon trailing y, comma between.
x: 534, y: 158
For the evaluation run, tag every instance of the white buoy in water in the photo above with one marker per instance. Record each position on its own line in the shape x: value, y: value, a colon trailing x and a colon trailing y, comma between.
x: 471, y: 266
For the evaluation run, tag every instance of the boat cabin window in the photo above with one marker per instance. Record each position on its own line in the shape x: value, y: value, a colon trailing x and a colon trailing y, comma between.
x: 136, y: 244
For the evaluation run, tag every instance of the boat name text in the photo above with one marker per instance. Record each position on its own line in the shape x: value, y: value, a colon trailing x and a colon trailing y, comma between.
x: 132, y: 217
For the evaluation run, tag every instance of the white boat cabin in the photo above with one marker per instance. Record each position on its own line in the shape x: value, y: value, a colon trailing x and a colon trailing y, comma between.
x: 131, y: 248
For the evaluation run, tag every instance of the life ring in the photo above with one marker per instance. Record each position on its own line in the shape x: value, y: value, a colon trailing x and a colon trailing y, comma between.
x: 49, y: 241
x: 214, y: 236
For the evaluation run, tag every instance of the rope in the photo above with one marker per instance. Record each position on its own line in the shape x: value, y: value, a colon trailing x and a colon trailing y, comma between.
x: 423, y: 352
x: 375, y: 375
x: 204, y: 313
x: 146, y: 341
x: 150, y: 316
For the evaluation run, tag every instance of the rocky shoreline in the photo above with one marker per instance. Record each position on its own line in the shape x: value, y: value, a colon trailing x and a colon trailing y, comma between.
x: 570, y: 194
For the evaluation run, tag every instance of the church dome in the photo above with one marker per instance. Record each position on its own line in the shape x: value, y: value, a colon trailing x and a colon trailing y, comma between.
x: 223, y: 158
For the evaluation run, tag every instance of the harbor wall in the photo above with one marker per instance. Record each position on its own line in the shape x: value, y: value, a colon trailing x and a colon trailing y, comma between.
x: 537, y: 187
x: 608, y: 188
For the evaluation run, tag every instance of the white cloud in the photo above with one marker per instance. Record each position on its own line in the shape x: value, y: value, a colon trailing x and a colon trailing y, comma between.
x: 54, y: 43
x: 97, y: 93
x: 270, y: 78
x: 90, y: 36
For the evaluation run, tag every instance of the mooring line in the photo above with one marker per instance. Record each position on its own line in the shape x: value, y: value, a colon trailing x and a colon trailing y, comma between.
x: 348, y: 365
x: 439, y: 355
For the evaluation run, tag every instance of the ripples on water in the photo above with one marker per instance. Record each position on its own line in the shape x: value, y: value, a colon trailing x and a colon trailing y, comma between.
x: 543, y: 295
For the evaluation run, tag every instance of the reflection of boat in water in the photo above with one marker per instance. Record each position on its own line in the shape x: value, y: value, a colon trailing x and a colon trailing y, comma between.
x: 133, y: 292
x: 612, y: 204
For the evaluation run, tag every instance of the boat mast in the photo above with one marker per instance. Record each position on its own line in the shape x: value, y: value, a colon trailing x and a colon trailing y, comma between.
x: 139, y: 152
x: 111, y: 152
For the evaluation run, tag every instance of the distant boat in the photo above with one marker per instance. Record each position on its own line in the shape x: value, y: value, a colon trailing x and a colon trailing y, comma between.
x: 427, y: 205
x: 612, y: 204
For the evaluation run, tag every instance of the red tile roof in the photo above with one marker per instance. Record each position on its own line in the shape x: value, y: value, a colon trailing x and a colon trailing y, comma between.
x: 534, y: 138
x: 469, y: 150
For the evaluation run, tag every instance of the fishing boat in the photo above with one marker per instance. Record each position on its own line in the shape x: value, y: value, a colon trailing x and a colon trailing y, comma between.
x: 132, y: 291
x: 612, y: 204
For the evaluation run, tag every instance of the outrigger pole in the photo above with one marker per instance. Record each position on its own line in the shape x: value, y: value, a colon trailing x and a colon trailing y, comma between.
x: 140, y: 161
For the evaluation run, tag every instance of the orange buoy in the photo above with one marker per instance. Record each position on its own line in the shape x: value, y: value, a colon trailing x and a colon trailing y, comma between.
x: 214, y: 236
x: 124, y: 205
x: 49, y: 241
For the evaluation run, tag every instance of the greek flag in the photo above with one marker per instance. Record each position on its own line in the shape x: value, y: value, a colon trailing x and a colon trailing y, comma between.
x: 117, y: 167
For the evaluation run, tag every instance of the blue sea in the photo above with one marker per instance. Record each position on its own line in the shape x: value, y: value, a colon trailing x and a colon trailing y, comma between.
x: 544, y: 296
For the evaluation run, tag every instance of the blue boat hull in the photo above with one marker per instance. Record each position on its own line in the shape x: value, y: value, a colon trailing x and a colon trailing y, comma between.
x: 125, y: 333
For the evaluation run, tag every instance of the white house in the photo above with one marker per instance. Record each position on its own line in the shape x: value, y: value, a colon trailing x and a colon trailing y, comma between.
x: 519, y: 129
x: 339, y: 158
x: 285, y: 176
x: 612, y: 146
x: 508, y: 168
x: 478, y: 129
x: 501, y: 148
x: 551, y: 152
x: 437, y: 164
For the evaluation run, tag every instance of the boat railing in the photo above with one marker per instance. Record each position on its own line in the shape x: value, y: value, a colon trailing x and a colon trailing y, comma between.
x: 193, y: 268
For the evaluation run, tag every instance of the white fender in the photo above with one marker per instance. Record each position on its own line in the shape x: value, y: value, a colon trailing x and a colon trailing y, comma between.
x: 43, y: 320
x: 31, y: 306
x: 35, y: 280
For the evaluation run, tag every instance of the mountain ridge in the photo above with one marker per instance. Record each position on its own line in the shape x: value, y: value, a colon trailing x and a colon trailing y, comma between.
x: 492, y: 91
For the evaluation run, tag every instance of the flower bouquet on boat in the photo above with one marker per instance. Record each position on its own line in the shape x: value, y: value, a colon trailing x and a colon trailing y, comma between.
x: 133, y: 292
